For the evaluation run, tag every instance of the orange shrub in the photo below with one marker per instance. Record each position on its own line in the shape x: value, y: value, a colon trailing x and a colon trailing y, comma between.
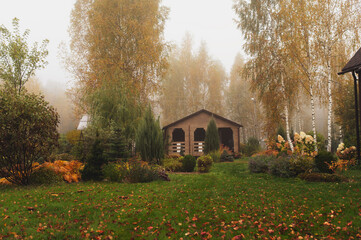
x: 69, y: 170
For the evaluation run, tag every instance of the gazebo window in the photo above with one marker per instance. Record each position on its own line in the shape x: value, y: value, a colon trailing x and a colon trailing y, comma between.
x: 178, y: 135
x: 199, y: 135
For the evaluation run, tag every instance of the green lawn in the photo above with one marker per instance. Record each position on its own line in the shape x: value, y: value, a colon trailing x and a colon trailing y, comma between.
x: 227, y: 202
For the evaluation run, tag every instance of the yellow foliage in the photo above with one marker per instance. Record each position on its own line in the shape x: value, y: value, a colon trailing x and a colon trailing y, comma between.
x: 73, y: 136
x: 3, y: 181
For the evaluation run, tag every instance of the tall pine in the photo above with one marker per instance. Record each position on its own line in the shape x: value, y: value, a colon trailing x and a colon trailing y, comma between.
x: 212, y: 137
x: 149, y: 139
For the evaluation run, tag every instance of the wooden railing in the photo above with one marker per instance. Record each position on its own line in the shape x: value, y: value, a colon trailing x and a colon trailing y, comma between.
x: 198, y: 147
x: 176, y: 147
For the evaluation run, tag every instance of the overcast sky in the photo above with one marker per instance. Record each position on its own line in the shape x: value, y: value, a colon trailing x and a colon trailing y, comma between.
x: 207, y: 20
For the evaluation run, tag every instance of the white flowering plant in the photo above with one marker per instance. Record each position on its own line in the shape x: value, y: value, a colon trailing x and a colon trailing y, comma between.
x: 305, y: 144
x: 347, y: 158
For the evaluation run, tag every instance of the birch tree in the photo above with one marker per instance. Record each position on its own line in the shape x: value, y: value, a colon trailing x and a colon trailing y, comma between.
x: 335, y: 27
x: 262, y: 30
x: 299, y: 27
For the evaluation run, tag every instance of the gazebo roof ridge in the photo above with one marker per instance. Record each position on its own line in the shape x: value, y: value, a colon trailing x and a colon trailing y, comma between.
x: 198, y: 112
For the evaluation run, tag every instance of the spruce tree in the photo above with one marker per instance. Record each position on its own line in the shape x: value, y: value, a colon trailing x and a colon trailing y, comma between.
x: 94, y: 163
x: 149, y: 139
x: 117, y: 147
x: 211, y: 141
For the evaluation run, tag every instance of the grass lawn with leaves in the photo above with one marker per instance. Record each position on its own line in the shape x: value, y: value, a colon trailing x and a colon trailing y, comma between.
x: 229, y: 202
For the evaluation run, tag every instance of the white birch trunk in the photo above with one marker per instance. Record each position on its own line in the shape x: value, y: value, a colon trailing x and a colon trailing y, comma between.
x: 299, y: 116
x: 286, y: 115
x: 313, y: 117
x: 329, y: 114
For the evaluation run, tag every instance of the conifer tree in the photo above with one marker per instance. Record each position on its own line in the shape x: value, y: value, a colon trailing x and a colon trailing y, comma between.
x: 117, y: 146
x: 212, y: 137
x: 95, y: 160
x: 149, y: 139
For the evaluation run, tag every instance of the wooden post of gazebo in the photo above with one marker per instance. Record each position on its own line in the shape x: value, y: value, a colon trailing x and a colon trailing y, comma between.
x: 354, y: 66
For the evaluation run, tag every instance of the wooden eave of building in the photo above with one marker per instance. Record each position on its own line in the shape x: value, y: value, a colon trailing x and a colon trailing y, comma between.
x: 204, y: 111
x: 352, y: 65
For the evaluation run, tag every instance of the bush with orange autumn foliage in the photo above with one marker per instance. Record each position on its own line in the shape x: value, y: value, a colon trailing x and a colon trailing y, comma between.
x: 65, y: 170
x: 347, y: 158
x: 69, y: 170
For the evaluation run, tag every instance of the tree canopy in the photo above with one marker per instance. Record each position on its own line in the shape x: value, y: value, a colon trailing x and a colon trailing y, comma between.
x: 18, y: 61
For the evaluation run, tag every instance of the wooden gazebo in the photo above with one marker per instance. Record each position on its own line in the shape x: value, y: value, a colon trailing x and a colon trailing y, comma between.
x: 188, y: 134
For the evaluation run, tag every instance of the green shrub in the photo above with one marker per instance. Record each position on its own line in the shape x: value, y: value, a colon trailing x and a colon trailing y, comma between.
x: 211, y: 142
x: 252, y: 146
x: 188, y: 163
x: 281, y: 167
x: 64, y: 157
x: 225, y: 157
x: 321, y: 141
x: 216, y: 156
x: 114, y: 172
x: 204, y: 163
x: 133, y: 171
x: 259, y: 164
x: 237, y: 155
x: 141, y: 173
x: 95, y: 161
x: 322, y: 161
x: 149, y: 139
x: 44, y: 175
x: 28, y: 132
x: 301, y: 164
x: 321, y: 177
x: 173, y: 164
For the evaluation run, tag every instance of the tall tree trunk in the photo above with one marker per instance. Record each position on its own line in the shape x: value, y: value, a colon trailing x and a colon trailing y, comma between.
x: 299, y: 116
x: 313, y: 117
x: 329, y: 114
x: 286, y: 114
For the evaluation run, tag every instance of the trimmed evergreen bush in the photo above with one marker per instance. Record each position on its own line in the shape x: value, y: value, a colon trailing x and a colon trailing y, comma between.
x: 149, y: 139
x: 211, y: 142
x: 188, y: 163
x: 204, y: 163
x: 323, y: 159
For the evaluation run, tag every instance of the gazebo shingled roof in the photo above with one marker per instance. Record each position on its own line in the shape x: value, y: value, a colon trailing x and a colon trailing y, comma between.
x: 353, y: 64
x: 205, y: 111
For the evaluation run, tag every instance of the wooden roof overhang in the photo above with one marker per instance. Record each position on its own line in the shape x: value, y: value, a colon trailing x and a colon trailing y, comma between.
x: 204, y: 111
x: 354, y: 66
